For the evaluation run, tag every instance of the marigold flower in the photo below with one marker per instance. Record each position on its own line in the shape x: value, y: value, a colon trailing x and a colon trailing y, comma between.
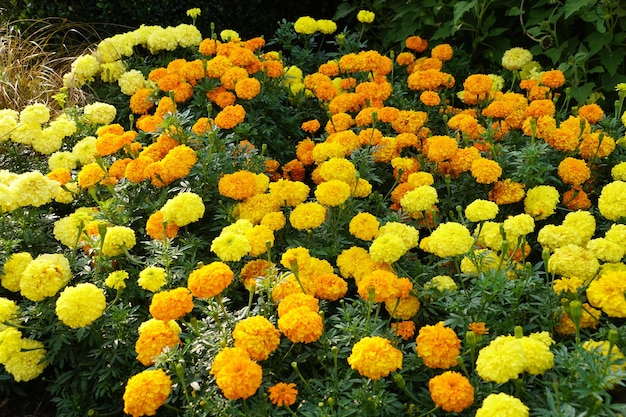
x: 591, y: 113
x: 404, y: 329
x: 90, y: 175
x: 420, y: 199
x: 364, y: 226
x: 332, y: 193
x: 117, y: 239
x: 44, y: 276
x: 329, y: 286
x: 541, y: 201
x: 451, y: 391
x: 440, y: 148
x: 239, y: 185
x: 283, y: 394
x: 596, y: 145
x: 301, y: 325
x: 573, y: 261
x: 607, y: 293
x: 307, y: 216
x: 515, y: 58
x: 553, y: 78
x: 154, y: 336
x: 438, y: 346
x: 502, y: 404
x: 152, y: 278
x: 518, y: 225
x: 442, y: 283
x: 506, y: 192
x: 403, y: 308
x: 230, y: 116
x: 210, y: 280
x: 172, y: 304
x: 28, y: 363
x: 416, y: 43
x: 481, y: 210
x: 305, y: 25
x: 146, y: 392
x: 612, y: 200
x: 365, y: 16
x: 485, y: 171
x: 430, y: 98
x: 79, y: 306
x: 374, y: 357
x: 116, y: 280
x: 239, y: 378
x: 449, y: 239
x: 257, y: 336
x: 183, y: 209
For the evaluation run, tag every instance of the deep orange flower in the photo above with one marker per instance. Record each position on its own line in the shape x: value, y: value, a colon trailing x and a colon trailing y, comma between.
x: 156, y: 230
x: 573, y: 171
x: 553, y: 78
x: 451, y: 391
x: 404, y: 329
x: 591, y: 113
x: 478, y: 328
x: 486, y: 171
x: 416, y: 43
x: 576, y: 199
x: 238, y: 186
x: 172, y: 304
x: 210, y: 280
x: 283, y: 394
x: 438, y: 346
x: 230, y: 116
x: 506, y: 192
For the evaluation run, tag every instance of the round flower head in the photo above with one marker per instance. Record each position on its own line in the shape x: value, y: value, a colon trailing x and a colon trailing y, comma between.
x: 380, y: 284
x: 146, y: 392
x: 539, y: 358
x: 79, y: 306
x: 210, y: 280
x: 330, y: 286
x: 374, y: 357
x: 485, y: 171
x: 515, y: 58
x: 442, y: 283
x: 116, y: 280
x: 238, y: 186
x: 307, y: 216
x: 28, y: 363
x: 44, y: 276
x: 230, y: 246
x: 541, y: 201
x: 152, y: 278
x: 364, y: 226
x: 404, y: 329
x: 502, y: 404
x: 449, y: 239
x: 481, y: 210
x: 438, y: 346
x: 332, y: 193
x: 451, y: 391
x: 116, y: 239
x: 365, y: 16
x: 295, y: 300
x: 257, y: 336
x: 573, y: 261
x: 403, y: 308
x: 283, y: 394
x: 172, y: 304
x: 502, y: 360
x: 154, y: 336
x: 183, y: 209
x: 301, y: 325
x: 239, y: 377
x: 10, y: 343
x: 518, y: 225
x: 305, y: 25
x: 388, y: 248
x: 612, y: 201
x: 573, y: 171
x: 605, y: 250
x: 421, y: 199
x: 12, y: 271
x: 583, y: 222
x: 607, y: 293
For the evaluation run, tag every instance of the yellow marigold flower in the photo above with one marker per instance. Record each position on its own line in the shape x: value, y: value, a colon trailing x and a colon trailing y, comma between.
x: 288, y: 284
x: 116, y: 280
x: 438, y: 346
x: 485, y: 171
x: 612, y: 200
x: 539, y: 358
x: 146, y: 392
x: 228, y: 35
x: 230, y: 246
x: 449, y: 239
x: 442, y: 283
x: 616, y: 234
x: 274, y: 221
x: 12, y: 271
x: 10, y: 343
x: 296, y: 300
x: 420, y: 199
x: 583, y: 222
x: 388, y: 248
x: 257, y: 336
x: 451, y: 391
x: 152, y: 278
x: 364, y: 226
x: 408, y: 234
x: 329, y: 286
x: 502, y: 360
x: 230, y: 116
x: 183, y: 209
x: 365, y: 16
x: 481, y: 210
x: 518, y: 225
x: 567, y: 285
x: 172, y: 304
x: 607, y: 293
x: 502, y: 404
x: 90, y: 175
x: 403, y: 308
x: 79, y: 306
x: 289, y: 193
x: 44, y: 276
x: 374, y: 357
x: 573, y: 261
x: 301, y: 325
x: 305, y: 25
x: 28, y: 363
x: 9, y: 312
x: 259, y: 238
x: 605, y: 250
x: 116, y: 239
x: 332, y: 193
x: 326, y: 26
x: 416, y: 179
x: 307, y: 216
x: 618, y: 172
x: 100, y: 113
x: 541, y: 201
x: 515, y: 58
x: 210, y: 280
x: 283, y: 394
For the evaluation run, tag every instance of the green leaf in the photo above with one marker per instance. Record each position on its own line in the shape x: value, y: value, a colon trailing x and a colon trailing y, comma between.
x: 612, y: 60
x: 460, y: 8
x: 581, y: 93
x: 574, y: 6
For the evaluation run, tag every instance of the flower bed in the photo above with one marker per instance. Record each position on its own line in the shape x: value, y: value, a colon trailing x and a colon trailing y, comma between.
x: 306, y: 226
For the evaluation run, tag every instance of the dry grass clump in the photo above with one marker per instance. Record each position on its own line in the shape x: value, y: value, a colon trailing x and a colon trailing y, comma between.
x: 34, y: 55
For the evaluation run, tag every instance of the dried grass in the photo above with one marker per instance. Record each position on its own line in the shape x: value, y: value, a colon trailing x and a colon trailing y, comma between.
x: 34, y: 55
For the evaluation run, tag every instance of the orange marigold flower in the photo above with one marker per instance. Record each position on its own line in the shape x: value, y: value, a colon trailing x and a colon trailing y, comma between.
x: 430, y: 98
x: 146, y: 392
x: 442, y: 52
x: 230, y: 116
x: 272, y: 68
x: 506, y: 192
x: 257, y: 336
x: 451, y: 391
x: 330, y: 286
x: 154, y: 336
x: 538, y: 108
x: 141, y: 102
x: 485, y: 171
x: 404, y: 329
x: 499, y: 109
x: 596, y: 145
x: 311, y: 126
x: 438, y: 346
x: 429, y: 79
x: 330, y: 69
x: 248, y: 88
x: 301, y: 325
x: 217, y: 66
x: 202, y: 125
x: 553, y: 78
x: 405, y: 58
x: 293, y: 170
x: 380, y: 284
x: 283, y: 394
x: 440, y: 148
x: 238, y: 186
x: 172, y: 304
x: 477, y: 84
x: 576, y: 199
x: 239, y: 377
x: 478, y: 328
x: 90, y: 175
x: 135, y: 170
x: 157, y: 230
x: 221, y: 97
x: 60, y: 175
x: 409, y: 121
x: 591, y: 113
x: 210, y: 280
x: 573, y: 171
x: 562, y: 139
x: 416, y: 43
